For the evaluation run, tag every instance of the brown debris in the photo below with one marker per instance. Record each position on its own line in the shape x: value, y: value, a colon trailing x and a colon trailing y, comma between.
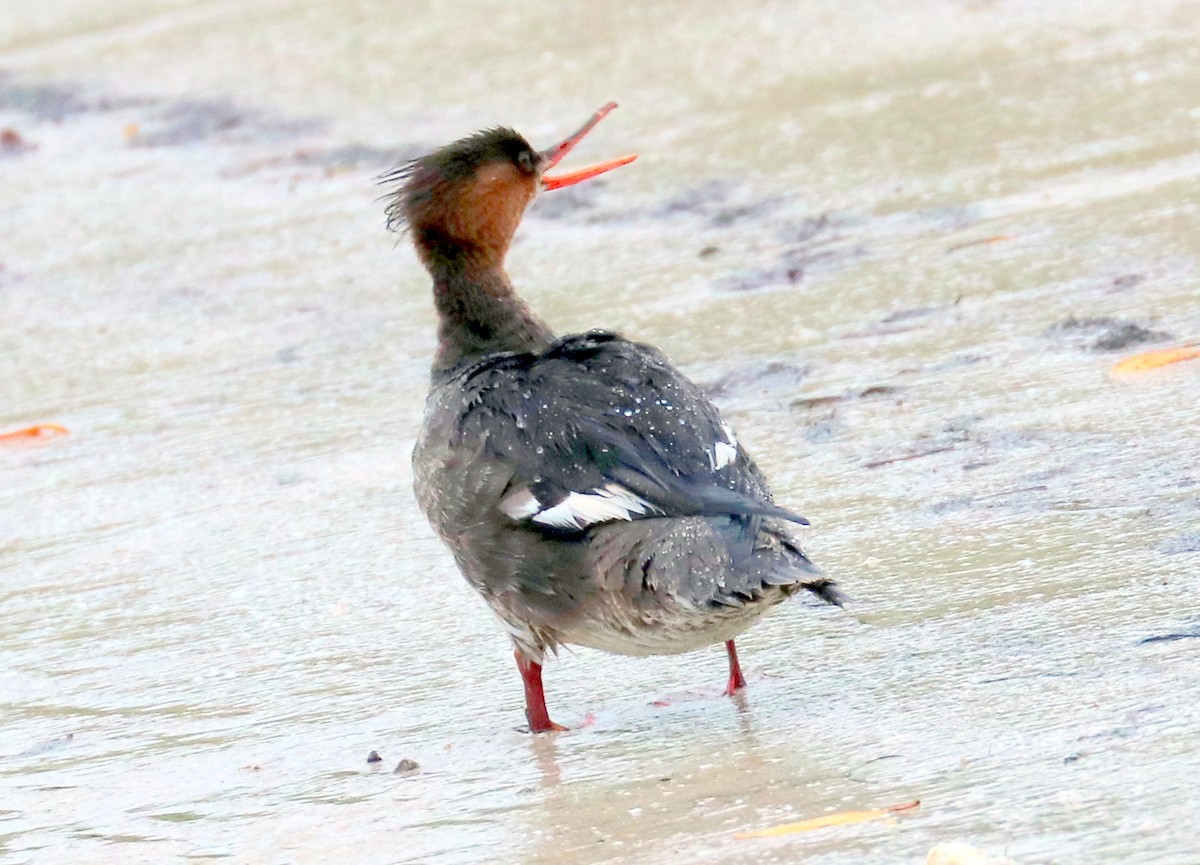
x: 877, y: 463
x: 12, y: 143
x: 995, y: 238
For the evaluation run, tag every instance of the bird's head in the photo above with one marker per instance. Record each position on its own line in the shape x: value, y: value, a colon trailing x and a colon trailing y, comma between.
x: 466, y: 199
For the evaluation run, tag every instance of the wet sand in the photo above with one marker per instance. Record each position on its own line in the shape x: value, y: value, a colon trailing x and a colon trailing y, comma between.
x: 902, y: 244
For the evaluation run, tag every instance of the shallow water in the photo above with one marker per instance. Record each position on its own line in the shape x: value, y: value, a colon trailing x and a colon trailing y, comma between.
x: 859, y: 225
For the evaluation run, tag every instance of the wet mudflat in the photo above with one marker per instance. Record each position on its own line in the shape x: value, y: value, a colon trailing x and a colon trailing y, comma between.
x: 903, y: 245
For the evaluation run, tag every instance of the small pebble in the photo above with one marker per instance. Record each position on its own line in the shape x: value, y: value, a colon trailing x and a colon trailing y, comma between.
x: 374, y: 757
x: 405, y: 766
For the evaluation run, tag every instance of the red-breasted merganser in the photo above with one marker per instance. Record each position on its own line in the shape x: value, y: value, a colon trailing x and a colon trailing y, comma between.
x: 588, y: 490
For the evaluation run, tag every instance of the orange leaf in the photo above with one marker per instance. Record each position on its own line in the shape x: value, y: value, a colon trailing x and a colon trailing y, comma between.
x: 1149, y: 360
x: 41, y: 431
x: 842, y: 818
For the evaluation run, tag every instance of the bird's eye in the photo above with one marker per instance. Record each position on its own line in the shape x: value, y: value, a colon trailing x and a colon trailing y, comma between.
x: 525, y: 160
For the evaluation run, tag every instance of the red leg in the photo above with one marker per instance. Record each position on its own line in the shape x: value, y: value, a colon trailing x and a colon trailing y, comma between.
x: 736, y: 680
x: 535, y: 697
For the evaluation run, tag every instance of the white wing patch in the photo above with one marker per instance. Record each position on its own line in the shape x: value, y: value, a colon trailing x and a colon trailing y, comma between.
x: 520, y: 504
x: 724, y: 452
x: 577, y: 510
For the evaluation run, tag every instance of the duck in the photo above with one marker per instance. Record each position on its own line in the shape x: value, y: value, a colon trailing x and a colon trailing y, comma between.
x: 591, y: 493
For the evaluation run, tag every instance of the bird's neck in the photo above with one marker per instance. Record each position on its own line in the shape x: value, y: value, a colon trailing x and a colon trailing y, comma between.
x: 479, y: 311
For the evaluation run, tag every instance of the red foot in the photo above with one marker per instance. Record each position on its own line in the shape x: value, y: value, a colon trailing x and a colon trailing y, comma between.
x: 535, y: 697
x: 736, y: 680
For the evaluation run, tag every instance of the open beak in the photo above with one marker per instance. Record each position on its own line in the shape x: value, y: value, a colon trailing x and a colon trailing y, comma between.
x: 554, y: 155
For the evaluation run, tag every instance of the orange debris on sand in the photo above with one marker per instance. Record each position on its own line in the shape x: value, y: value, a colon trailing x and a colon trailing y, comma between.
x: 842, y: 818
x: 1149, y: 360
x: 40, y: 431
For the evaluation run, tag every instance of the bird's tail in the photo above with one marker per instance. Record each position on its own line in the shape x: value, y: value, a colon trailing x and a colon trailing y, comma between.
x: 801, y: 573
x: 827, y: 590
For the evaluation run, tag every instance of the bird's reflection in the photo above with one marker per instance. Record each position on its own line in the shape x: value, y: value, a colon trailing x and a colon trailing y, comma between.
x: 544, y: 748
x: 642, y: 780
